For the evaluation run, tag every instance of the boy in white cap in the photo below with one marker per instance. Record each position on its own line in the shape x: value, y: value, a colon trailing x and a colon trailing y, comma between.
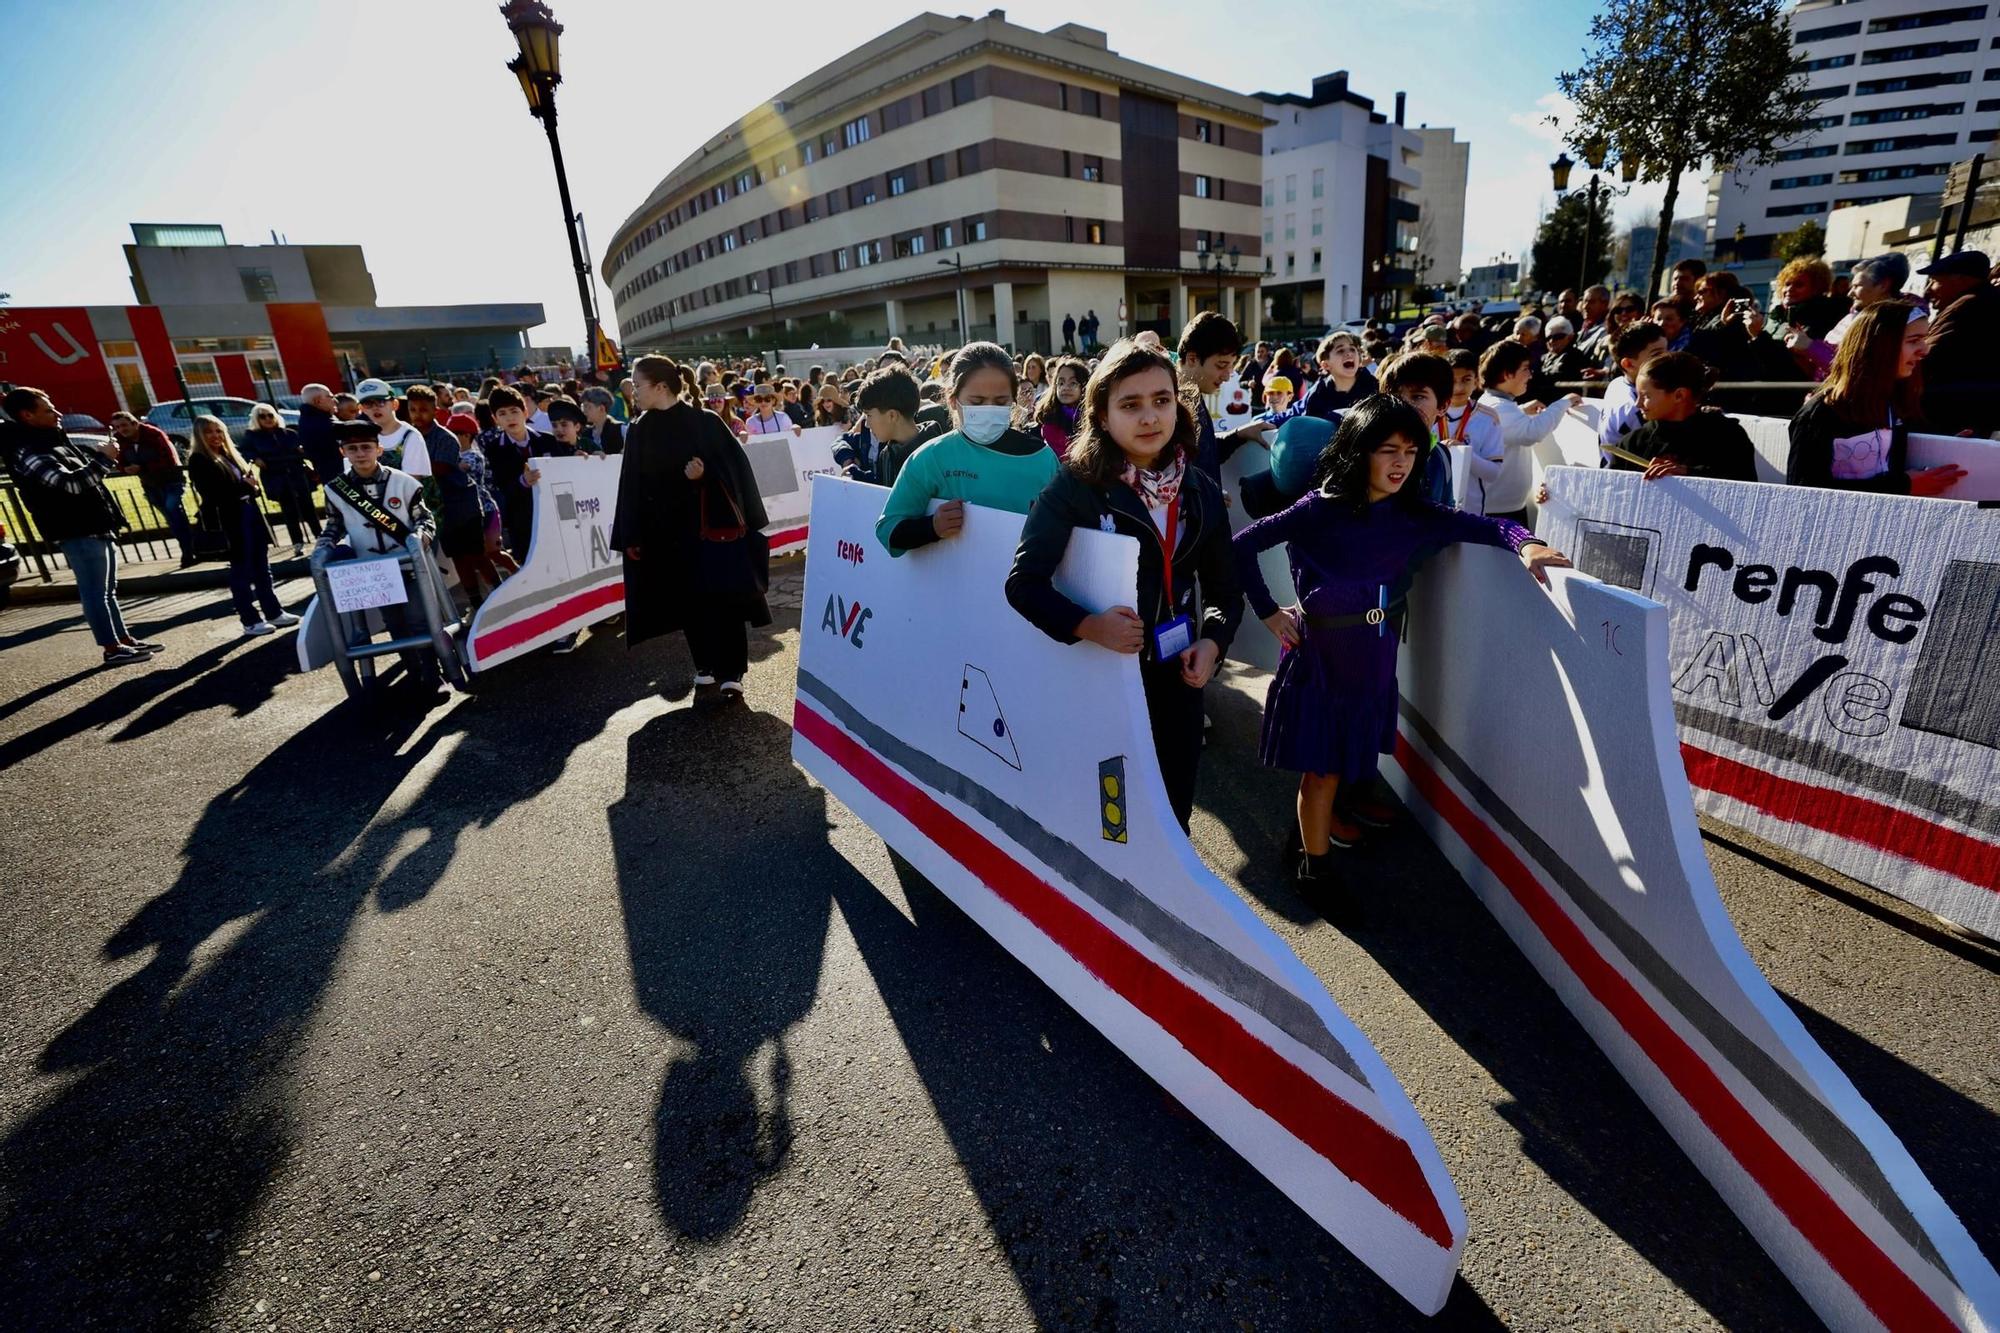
x: 403, y: 446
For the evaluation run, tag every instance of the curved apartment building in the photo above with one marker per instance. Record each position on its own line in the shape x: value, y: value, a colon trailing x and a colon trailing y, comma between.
x: 957, y: 163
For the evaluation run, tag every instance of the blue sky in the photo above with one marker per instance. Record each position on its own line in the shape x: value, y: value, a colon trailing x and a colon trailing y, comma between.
x: 393, y: 124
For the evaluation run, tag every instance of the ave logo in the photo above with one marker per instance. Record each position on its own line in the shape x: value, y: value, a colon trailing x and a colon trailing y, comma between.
x: 845, y: 619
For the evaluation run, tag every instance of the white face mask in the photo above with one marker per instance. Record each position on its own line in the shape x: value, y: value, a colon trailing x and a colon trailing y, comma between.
x: 985, y: 423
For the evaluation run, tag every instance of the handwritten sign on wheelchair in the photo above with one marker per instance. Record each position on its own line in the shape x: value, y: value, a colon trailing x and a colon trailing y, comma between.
x: 357, y: 585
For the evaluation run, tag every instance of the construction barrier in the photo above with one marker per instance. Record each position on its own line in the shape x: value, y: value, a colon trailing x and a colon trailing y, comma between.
x: 1833, y: 664
x: 1018, y: 775
x: 1537, y: 746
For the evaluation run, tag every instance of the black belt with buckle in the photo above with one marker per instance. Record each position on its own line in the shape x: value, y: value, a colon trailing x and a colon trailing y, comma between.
x: 1374, y: 615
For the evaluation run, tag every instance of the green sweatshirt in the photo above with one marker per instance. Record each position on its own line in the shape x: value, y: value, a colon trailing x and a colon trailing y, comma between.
x: 1008, y: 474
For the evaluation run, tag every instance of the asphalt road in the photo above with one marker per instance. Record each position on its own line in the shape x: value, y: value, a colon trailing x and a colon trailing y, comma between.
x: 573, y: 1005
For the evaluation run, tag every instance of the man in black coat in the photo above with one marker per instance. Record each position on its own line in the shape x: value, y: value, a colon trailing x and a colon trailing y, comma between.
x: 1961, y: 376
x: 690, y: 524
x: 316, y: 412
x: 62, y: 483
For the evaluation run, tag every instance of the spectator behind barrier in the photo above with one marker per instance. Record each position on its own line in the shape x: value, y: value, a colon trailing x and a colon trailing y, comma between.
x: 1853, y: 433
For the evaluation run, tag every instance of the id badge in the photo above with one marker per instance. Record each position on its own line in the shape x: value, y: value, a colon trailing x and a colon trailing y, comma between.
x: 1173, y: 637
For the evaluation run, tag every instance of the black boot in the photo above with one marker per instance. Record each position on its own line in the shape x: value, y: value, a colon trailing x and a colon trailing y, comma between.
x: 1317, y: 883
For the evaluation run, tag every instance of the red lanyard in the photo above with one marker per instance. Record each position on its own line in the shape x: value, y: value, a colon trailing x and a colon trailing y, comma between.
x: 1167, y: 540
x: 1457, y: 432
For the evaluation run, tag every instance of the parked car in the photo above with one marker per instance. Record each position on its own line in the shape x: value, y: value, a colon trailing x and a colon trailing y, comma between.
x: 176, y: 416
x: 82, y: 423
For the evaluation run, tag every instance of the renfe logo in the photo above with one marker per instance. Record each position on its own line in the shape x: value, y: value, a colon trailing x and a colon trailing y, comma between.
x: 851, y: 552
x: 845, y: 619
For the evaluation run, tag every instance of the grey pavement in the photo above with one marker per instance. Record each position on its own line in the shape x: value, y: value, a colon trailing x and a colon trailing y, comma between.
x: 572, y: 1004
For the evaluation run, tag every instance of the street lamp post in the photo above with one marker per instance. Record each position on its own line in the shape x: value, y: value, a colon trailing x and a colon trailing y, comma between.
x: 957, y: 264
x: 1594, y: 152
x: 539, y: 68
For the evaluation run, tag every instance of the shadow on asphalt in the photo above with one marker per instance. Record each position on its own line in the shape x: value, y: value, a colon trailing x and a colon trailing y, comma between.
x: 1951, y: 1136
x: 1577, y: 1118
x: 127, y: 1192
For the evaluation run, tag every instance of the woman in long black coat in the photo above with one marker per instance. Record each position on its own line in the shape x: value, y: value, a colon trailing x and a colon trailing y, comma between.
x: 679, y: 461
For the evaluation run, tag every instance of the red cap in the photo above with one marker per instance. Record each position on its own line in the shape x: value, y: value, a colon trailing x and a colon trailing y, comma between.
x: 458, y: 423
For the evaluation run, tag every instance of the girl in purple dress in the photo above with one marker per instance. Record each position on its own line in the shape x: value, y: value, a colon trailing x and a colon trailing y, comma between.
x: 1353, y: 540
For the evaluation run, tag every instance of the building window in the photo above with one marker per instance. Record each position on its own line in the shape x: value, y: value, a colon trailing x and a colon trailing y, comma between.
x: 791, y: 271
x: 1267, y: 229
x: 1093, y: 168
x: 1093, y: 233
x: 1202, y: 132
x: 1926, y: 51
x: 1911, y: 83
x: 1824, y: 62
x: 917, y: 243
x: 1829, y: 33
x: 1828, y: 122
x: 968, y: 159
x: 933, y: 99
x: 1090, y: 102
x: 943, y: 233
x: 1315, y: 267
x: 1291, y: 263
x: 899, y: 182
x: 1270, y: 194
x: 728, y: 241
x: 743, y: 183
x: 258, y: 284
x: 855, y: 131
x: 813, y: 268
x: 840, y: 260
x: 1318, y: 220
x: 1202, y: 184
x: 805, y: 155
x: 1922, y: 111
x: 868, y: 252
x: 1801, y: 154
x: 961, y: 89
x: 829, y: 145
x: 1802, y: 182
x: 861, y: 193
x: 935, y: 170
x: 1291, y: 189
x: 975, y: 230
x: 1934, y: 18
x: 1319, y: 182
x: 1291, y: 225
x: 897, y: 114
x: 1901, y: 144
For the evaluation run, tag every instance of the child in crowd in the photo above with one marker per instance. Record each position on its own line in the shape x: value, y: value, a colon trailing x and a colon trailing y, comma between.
x: 1344, y: 380
x: 1353, y: 542
x: 1131, y: 470
x: 1466, y: 424
x: 1278, y: 398
x: 827, y: 408
x: 508, y: 449
x: 1060, y: 413
x: 1034, y: 385
x: 794, y: 406
x: 478, y: 562
x: 889, y: 433
x: 1680, y: 437
x: 984, y: 461
x: 1208, y: 350
x: 766, y: 416
x: 1427, y: 382
x: 1637, y: 345
x: 1853, y: 433
x: 1505, y: 369
x: 718, y: 400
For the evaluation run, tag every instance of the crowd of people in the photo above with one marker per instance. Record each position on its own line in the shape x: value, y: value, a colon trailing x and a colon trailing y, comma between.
x: 1123, y: 439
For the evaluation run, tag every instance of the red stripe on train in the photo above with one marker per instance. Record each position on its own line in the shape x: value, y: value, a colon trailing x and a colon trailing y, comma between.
x: 1886, y: 828
x: 1373, y: 1157
x: 502, y: 637
x: 1883, y: 1287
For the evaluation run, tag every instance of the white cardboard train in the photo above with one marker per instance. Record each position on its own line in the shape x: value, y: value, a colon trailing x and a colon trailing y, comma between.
x: 1018, y: 775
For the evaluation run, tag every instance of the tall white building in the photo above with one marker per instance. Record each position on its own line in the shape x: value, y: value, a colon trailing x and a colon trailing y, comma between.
x: 1907, y: 87
x: 1440, y: 198
x: 1340, y: 210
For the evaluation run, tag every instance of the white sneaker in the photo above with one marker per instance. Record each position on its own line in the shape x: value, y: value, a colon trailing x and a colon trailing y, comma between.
x: 284, y: 618
x: 701, y: 678
x: 732, y: 689
x: 260, y: 627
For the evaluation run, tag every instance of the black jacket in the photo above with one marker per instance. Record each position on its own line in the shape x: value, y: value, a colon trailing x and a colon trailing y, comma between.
x: 316, y: 437
x: 1707, y: 444
x: 660, y: 512
x: 62, y: 483
x: 1813, y: 433
x: 1961, y: 380
x: 222, y: 494
x: 1201, y: 554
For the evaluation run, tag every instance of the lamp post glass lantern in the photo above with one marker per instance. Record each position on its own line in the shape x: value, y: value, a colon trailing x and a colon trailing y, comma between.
x: 539, y: 69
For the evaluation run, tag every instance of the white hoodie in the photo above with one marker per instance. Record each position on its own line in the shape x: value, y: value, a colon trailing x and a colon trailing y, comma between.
x: 1519, y: 433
